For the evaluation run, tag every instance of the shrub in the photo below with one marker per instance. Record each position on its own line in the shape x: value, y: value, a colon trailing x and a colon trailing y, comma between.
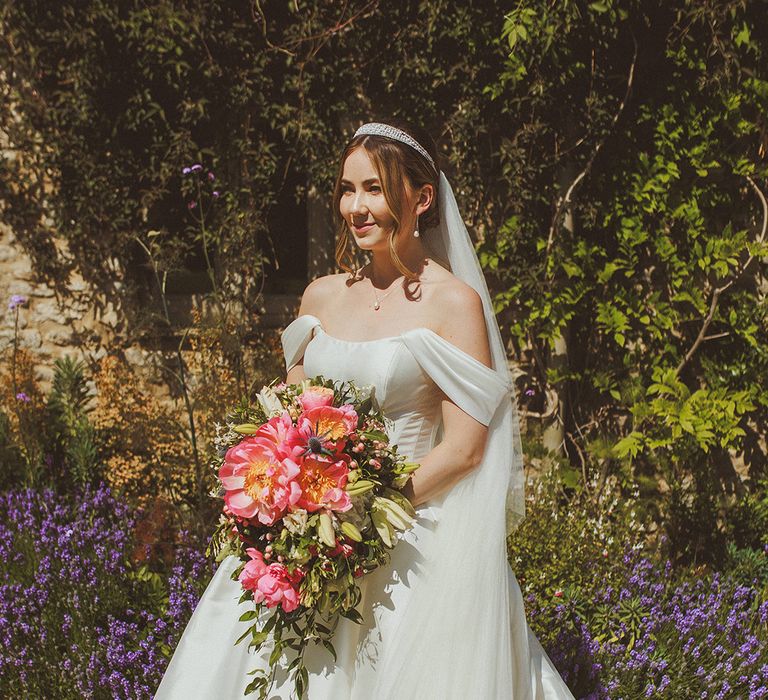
x: 572, y: 541
x: 144, y: 451
x: 661, y: 633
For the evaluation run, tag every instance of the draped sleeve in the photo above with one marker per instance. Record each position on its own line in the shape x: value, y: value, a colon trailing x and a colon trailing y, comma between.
x: 476, y: 389
x: 296, y: 337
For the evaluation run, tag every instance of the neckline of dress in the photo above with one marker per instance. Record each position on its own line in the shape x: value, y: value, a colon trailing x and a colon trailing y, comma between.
x: 365, y: 342
x: 417, y: 329
x: 372, y: 340
x: 360, y: 342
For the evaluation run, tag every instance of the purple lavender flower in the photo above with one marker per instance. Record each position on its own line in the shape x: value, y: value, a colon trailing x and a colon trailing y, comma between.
x: 65, y: 574
x: 16, y: 301
x: 662, y: 633
x: 21, y: 396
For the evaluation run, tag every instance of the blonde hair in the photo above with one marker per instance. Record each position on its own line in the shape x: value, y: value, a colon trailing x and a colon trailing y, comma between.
x: 396, y: 164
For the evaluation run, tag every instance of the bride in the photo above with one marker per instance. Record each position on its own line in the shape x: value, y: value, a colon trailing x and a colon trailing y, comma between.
x: 445, y: 619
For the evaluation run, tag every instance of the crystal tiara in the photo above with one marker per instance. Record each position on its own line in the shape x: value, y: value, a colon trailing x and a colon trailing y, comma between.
x: 391, y: 132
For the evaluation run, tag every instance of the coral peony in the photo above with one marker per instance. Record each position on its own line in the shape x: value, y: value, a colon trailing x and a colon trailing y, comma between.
x: 323, y: 430
x: 270, y: 583
x: 259, y: 480
x: 336, y: 423
x: 322, y: 484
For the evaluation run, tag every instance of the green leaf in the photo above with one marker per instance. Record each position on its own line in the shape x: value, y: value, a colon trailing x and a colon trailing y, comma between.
x: 353, y: 615
x: 277, y: 652
x: 330, y: 648
x: 629, y: 445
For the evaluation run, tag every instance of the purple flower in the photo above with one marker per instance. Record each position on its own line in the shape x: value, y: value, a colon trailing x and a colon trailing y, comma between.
x: 65, y: 574
x: 186, y: 171
x: 16, y: 301
x: 21, y: 396
x: 191, y: 204
x: 196, y: 168
x: 211, y: 176
x: 529, y: 392
x: 216, y: 194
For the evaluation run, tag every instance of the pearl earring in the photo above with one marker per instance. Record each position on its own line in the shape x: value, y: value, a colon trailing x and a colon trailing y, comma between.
x: 416, y: 232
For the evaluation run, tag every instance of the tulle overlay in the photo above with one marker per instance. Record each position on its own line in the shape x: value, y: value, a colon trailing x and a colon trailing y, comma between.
x: 445, y: 620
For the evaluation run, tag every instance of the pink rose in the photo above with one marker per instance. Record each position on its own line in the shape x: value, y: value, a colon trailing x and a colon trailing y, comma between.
x: 270, y: 583
x: 259, y: 480
x: 316, y: 396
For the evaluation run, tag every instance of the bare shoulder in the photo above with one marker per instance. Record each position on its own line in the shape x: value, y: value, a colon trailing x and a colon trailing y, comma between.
x: 459, y: 314
x: 320, y: 291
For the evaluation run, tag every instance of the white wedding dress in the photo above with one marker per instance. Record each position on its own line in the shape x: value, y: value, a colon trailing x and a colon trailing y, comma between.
x: 424, y: 636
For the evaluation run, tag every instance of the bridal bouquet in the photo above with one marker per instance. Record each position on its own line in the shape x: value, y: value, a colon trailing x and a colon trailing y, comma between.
x: 312, y: 502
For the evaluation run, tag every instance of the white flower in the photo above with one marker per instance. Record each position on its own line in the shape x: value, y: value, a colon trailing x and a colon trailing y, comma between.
x: 296, y: 521
x: 366, y: 392
x: 268, y: 400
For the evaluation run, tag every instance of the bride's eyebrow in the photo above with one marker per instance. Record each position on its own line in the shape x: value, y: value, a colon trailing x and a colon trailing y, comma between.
x: 369, y: 181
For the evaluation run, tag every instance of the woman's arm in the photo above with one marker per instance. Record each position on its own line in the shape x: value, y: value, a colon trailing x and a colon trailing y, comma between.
x: 463, y: 443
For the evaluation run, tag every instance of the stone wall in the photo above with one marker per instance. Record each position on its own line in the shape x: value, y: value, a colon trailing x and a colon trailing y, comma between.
x: 49, y: 327
x: 52, y: 325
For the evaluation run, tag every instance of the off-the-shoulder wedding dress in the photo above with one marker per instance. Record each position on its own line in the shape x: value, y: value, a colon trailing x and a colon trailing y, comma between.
x: 428, y: 632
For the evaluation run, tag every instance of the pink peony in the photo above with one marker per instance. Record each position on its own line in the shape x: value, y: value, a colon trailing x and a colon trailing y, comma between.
x: 277, y: 428
x: 270, y: 583
x: 316, y: 396
x: 259, y: 480
x: 322, y: 484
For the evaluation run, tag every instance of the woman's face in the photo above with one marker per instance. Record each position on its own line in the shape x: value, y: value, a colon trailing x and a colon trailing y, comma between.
x: 362, y: 202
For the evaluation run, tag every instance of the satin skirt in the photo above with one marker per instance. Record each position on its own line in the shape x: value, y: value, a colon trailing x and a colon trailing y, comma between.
x: 207, y: 665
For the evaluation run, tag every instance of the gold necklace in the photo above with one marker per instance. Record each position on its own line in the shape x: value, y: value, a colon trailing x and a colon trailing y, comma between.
x: 379, y: 299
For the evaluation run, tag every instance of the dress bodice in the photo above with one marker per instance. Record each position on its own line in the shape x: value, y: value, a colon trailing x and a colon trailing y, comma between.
x: 411, y: 374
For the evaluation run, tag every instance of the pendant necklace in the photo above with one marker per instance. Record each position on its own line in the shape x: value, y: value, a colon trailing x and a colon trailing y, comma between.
x: 377, y: 305
x: 379, y: 299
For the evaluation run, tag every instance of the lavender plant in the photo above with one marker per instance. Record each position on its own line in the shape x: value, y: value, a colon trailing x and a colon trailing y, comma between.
x: 77, y: 619
x: 661, y: 634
